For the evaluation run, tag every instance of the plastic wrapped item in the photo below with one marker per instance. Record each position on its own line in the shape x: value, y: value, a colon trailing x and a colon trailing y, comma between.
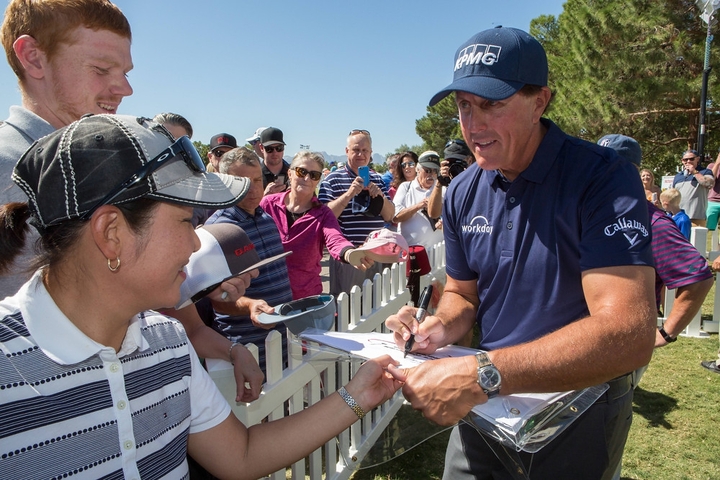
x: 316, y: 312
x: 528, y: 422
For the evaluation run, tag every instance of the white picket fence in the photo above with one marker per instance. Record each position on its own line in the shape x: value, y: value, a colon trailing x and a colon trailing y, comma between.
x: 311, y: 376
x: 697, y: 327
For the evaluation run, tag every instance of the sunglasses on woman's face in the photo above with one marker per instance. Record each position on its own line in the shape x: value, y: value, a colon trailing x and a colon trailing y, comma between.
x: 407, y: 164
x: 302, y: 173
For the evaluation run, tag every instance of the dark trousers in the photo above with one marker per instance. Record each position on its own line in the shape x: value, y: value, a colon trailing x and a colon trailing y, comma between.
x: 590, y: 448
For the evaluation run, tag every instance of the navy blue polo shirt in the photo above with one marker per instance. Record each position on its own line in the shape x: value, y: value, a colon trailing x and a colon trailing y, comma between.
x: 577, y: 207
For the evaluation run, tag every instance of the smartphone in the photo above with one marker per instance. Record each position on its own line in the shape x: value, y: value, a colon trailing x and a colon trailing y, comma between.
x: 280, y: 179
x: 364, y: 173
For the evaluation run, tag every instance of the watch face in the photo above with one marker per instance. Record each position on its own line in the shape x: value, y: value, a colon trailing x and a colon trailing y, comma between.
x: 489, y: 378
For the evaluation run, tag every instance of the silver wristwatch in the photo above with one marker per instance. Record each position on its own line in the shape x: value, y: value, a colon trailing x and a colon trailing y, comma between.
x: 488, y: 376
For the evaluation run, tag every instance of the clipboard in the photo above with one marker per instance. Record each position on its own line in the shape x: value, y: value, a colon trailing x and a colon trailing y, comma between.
x: 526, y: 422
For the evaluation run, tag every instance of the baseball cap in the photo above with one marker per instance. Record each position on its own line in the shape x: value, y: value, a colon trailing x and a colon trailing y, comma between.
x: 317, y: 311
x: 72, y: 171
x: 256, y: 136
x: 385, y: 246
x: 225, y: 252
x: 496, y: 63
x: 429, y: 159
x: 222, y: 140
x: 627, y: 147
x: 418, y: 262
x: 271, y: 136
x: 456, y: 149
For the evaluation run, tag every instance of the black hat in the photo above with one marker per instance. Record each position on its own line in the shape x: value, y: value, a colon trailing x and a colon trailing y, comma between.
x: 271, y: 136
x: 222, y: 140
x: 457, y: 149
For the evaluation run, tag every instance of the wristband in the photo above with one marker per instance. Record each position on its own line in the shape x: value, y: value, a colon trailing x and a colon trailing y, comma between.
x: 232, y: 345
x: 665, y: 335
x: 351, y: 402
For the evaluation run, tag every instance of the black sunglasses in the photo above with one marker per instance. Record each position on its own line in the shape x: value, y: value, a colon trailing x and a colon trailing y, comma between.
x: 459, y: 142
x: 429, y: 171
x: 302, y: 173
x: 182, y: 148
x: 276, y: 148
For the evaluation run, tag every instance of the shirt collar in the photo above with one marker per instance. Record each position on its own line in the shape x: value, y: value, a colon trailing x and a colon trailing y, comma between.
x: 57, y: 336
x: 28, y: 122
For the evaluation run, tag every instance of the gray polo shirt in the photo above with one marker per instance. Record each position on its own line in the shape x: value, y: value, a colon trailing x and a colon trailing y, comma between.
x: 17, y: 133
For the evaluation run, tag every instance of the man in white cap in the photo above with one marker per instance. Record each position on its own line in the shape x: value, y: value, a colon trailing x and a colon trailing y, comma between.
x: 255, y: 142
x: 548, y: 252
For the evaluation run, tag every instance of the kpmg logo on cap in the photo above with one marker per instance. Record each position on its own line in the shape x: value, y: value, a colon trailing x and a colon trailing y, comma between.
x: 478, y: 53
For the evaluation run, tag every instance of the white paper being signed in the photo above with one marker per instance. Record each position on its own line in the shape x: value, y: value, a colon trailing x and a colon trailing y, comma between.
x: 508, y: 411
x: 373, y: 345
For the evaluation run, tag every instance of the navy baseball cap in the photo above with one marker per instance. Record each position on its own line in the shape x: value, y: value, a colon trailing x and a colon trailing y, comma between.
x: 496, y: 63
x: 627, y: 147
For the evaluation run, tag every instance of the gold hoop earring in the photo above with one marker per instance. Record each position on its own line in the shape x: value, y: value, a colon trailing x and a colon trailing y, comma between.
x: 115, y: 269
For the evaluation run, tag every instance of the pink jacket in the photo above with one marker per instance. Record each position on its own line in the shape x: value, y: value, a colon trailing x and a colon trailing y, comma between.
x: 316, y: 229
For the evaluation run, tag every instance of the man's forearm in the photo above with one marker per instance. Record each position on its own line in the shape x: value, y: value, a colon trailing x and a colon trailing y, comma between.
x: 617, y: 338
x: 240, y: 307
x: 435, y: 201
x: 580, y: 355
x: 338, y: 205
x: 687, y: 304
x: 388, y: 210
x: 458, y: 315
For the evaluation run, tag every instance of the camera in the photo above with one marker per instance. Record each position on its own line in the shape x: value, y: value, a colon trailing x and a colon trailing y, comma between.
x: 455, y: 168
x: 456, y: 153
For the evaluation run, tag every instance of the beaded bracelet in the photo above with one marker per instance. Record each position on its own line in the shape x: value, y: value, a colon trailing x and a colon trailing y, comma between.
x: 351, y: 402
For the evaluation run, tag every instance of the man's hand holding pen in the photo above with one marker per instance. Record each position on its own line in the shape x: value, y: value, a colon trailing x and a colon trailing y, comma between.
x: 429, y: 336
x: 420, y: 315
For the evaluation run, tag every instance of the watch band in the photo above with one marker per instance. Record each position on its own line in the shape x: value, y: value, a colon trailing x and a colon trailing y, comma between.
x: 484, y: 364
x: 665, y: 335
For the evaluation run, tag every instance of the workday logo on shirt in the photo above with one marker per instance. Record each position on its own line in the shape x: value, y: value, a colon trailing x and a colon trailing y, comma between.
x: 477, y: 53
x: 631, y: 229
x: 478, y: 225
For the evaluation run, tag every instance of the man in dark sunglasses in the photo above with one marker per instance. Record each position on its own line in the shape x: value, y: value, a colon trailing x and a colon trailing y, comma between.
x: 694, y: 182
x: 274, y: 167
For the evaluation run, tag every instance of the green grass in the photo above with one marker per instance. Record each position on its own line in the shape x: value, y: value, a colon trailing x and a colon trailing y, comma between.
x: 675, y: 432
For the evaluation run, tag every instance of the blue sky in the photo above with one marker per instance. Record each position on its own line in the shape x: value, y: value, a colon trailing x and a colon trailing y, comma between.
x: 314, y: 69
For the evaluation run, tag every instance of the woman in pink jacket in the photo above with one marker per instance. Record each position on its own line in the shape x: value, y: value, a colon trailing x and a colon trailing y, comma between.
x: 306, y: 226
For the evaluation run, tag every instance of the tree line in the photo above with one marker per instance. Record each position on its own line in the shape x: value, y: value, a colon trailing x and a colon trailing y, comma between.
x: 619, y: 66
